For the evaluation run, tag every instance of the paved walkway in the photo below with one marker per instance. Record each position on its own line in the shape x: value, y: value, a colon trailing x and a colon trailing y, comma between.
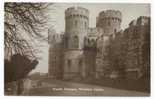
x: 63, y: 88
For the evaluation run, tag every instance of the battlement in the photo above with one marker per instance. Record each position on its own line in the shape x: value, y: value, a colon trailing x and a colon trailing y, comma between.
x: 142, y: 20
x: 77, y: 12
x: 54, y: 37
x: 91, y: 39
x: 113, y: 14
x: 90, y: 42
x: 109, y: 21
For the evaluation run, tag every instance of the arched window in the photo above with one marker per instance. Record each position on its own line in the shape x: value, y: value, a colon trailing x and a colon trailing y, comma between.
x: 80, y: 65
x: 85, y: 25
x: 53, y: 37
x: 76, y: 42
x: 69, y: 63
x: 109, y: 24
x: 93, y: 42
x: 76, y: 23
x: 88, y: 41
x: 115, y: 30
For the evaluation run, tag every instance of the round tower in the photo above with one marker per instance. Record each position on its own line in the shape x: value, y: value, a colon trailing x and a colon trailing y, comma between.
x: 110, y: 21
x: 76, y: 26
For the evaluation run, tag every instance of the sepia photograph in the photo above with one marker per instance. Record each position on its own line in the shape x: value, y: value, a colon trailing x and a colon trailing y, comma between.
x: 77, y: 49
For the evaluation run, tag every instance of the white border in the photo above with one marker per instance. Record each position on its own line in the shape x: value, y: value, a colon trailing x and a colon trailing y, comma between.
x: 82, y: 1
x: 72, y: 1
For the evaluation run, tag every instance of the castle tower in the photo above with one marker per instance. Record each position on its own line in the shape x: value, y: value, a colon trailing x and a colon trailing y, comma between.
x: 55, y: 69
x: 76, y: 27
x: 110, y: 21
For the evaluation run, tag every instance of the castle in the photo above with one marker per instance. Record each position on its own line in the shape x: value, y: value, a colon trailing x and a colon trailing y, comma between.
x: 83, y: 52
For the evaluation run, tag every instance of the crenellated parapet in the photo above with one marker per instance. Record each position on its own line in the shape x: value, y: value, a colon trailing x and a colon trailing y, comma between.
x: 110, y: 21
x: 76, y: 27
x: 111, y: 14
x: 54, y: 37
x: 77, y: 12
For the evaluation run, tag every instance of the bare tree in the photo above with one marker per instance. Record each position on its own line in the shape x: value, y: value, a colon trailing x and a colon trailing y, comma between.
x: 22, y: 21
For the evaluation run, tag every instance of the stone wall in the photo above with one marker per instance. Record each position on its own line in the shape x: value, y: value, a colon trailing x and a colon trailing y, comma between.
x: 56, y: 55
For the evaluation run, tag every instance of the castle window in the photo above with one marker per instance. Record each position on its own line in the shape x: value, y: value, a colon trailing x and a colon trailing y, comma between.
x: 69, y: 64
x: 81, y: 16
x: 109, y: 24
x: 93, y: 42
x: 76, y: 23
x: 80, y: 62
x: 80, y: 65
x: 85, y: 25
x: 71, y: 15
x: 53, y: 37
x: 76, y: 41
x: 115, y: 30
x: 88, y: 41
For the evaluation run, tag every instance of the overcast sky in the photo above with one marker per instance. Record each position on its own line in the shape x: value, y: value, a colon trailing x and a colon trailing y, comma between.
x: 129, y: 12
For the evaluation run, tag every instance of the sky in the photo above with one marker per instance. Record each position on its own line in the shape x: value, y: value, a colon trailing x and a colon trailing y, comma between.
x: 56, y: 12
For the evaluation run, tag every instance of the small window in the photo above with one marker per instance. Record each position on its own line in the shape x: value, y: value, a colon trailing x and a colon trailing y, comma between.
x: 109, y: 24
x: 53, y: 37
x: 93, y: 42
x: 69, y: 64
x: 80, y: 65
x: 85, y: 25
x: 80, y: 62
x: 88, y: 41
x: 76, y: 42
